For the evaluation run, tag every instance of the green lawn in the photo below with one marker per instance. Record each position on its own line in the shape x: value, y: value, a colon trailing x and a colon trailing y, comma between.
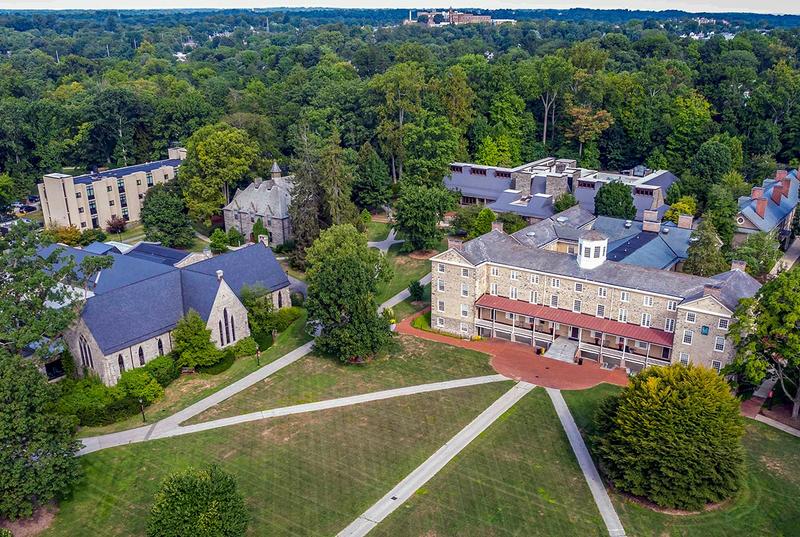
x: 198, y: 245
x: 406, y: 269
x: 766, y: 505
x: 517, y: 478
x: 133, y: 231
x: 309, y: 474
x: 377, y: 231
x: 188, y: 389
x: 407, y: 307
x: 407, y: 362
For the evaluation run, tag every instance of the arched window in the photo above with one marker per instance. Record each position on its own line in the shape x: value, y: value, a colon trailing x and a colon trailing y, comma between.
x: 84, y: 361
x: 221, y: 336
x: 121, y: 364
x: 280, y: 300
x: 141, y: 356
x: 160, y: 348
x: 227, y: 328
x: 233, y: 329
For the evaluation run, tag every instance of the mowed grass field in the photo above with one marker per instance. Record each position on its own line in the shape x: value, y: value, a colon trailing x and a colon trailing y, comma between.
x: 406, y: 270
x: 517, y: 478
x: 309, y: 474
x: 408, y: 361
x: 767, y: 504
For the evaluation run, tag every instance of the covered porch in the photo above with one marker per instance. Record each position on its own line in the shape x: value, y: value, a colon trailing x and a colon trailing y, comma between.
x: 612, y: 343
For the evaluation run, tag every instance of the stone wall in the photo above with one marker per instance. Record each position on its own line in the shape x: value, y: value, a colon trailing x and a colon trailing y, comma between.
x: 227, y: 305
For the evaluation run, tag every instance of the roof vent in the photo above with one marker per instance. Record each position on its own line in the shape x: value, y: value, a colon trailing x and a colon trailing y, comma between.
x: 694, y: 239
x: 628, y: 224
x: 531, y: 234
x: 666, y: 230
x: 219, y: 275
x: 561, y: 219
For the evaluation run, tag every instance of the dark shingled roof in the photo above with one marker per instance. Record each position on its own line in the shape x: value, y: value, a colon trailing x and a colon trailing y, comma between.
x: 252, y: 265
x: 152, y: 251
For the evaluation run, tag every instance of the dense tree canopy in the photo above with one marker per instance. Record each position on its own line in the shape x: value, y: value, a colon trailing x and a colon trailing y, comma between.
x: 615, y: 199
x: 165, y: 219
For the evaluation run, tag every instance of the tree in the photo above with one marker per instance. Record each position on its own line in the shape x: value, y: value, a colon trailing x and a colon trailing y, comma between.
x: 235, y: 237
x: 116, y: 224
x: 712, y: 161
x: 483, y: 223
x: 691, y: 124
x: 546, y: 78
x: 199, y: 502
x: 416, y: 292
x: 306, y: 207
x: 69, y: 235
x: 684, y: 205
x: 6, y: 191
x: 564, y: 201
x: 721, y: 209
x: 218, y: 157
x: 140, y: 385
x: 430, y: 145
x: 615, y: 199
x: 343, y: 277
x: 37, y: 446
x: 336, y: 180
x: 704, y: 256
x: 760, y: 251
x: 587, y: 125
x: 165, y: 218
x: 673, y: 436
x: 371, y: 188
x: 417, y: 214
x: 260, y: 309
x: 92, y: 235
x: 219, y: 241
x: 766, y: 337
x: 193, y: 344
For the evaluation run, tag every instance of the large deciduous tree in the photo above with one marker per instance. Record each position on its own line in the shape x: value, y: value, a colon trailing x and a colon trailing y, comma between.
x: 343, y: 277
x: 193, y: 344
x: 615, y: 199
x: 417, y: 214
x: 704, y: 255
x: 164, y: 217
x: 587, y: 125
x: 760, y: 251
x: 547, y: 79
x: 431, y: 144
x: 691, y: 124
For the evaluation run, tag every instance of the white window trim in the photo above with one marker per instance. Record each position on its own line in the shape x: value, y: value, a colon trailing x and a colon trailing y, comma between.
x: 716, y: 340
x: 464, y: 289
x: 681, y: 357
x: 597, y: 311
x: 694, y: 317
x: 602, y: 292
x: 578, y: 287
x: 441, y: 267
x: 465, y: 272
x: 716, y: 365
x: 727, y: 324
x: 690, y: 333
x: 647, y: 301
x: 440, y: 321
x: 649, y: 320
x: 624, y: 296
x: 440, y: 305
x: 576, y: 306
x: 514, y: 275
x: 669, y: 325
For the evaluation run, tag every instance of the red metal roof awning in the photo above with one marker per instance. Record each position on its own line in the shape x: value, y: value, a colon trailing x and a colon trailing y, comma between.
x: 640, y: 333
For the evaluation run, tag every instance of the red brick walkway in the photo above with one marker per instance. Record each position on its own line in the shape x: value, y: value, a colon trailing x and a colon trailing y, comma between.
x: 519, y: 362
x: 751, y: 407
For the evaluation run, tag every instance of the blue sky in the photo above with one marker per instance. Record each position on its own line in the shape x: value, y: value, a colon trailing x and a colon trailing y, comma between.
x: 774, y: 6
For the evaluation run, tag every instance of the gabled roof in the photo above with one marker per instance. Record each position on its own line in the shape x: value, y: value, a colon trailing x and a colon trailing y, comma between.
x: 775, y: 213
x: 102, y: 248
x: 270, y: 197
x: 253, y: 265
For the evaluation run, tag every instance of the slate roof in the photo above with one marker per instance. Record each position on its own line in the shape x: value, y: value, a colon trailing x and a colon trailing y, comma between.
x: 252, y: 265
x: 270, y: 197
x: 774, y: 214
x: 127, y: 170
x: 102, y: 248
x: 497, y: 247
x: 152, y: 251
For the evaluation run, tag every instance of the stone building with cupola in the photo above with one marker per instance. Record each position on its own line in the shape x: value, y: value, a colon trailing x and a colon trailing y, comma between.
x: 581, y: 287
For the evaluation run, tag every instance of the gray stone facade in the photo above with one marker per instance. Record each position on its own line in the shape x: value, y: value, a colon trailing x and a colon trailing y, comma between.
x: 267, y: 200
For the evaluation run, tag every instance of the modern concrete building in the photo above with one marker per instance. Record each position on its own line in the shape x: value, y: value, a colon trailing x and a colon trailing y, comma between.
x: 770, y: 208
x: 267, y: 201
x: 131, y: 309
x: 530, y: 190
x: 581, y: 303
x: 91, y: 200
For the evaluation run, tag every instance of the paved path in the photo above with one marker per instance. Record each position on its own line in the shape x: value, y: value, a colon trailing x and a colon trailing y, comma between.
x: 596, y: 486
x: 404, y: 294
x: 789, y: 258
x: 423, y: 473
x: 778, y: 425
x: 386, y: 243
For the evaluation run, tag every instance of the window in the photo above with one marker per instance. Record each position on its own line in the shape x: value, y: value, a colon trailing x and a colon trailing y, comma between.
x: 111, y: 202
x: 455, y: 169
x: 493, y: 289
x: 121, y: 363
x: 641, y: 344
x: 553, y: 301
x: 534, y: 297
x: 578, y: 287
x: 576, y: 306
x: 601, y: 310
x: 233, y: 326
x: 141, y: 356
x: 716, y: 365
x: 221, y: 335
x: 623, y: 315
x: 440, y: 321
x: 439, y: 284
x: 477, y: 171
x: 441, y: 267
x: 464, y: 310
x: 587, y: 252
x: 90, y: 192
x: 672, y: 305
x: 723, y: 324
x: 514, y: 275
x: 149, y: 176
x: 596, y: 251
x: 684, y: 358
x: 464, y: 328
x: 160, y: 348
x: 669, y: 325
x: 77, y: 194
x: 646, y: 319
x: 495, y: 271
x: 691, y: 317
x: 138, y: 182
x: 513, y: 293
x: 498, y: 173
x: 647, y: 301
x: 535, y: 279
x: 440, y: 305
x: 108, y: 188
x: 509, y: 316
x: 719, y: 344
x: 464, y: 289
x: 555, y: 283
x: 465, y: 272
x: 120, y: 185
x: 80, y: 209
x: 227, y: 325
x: 687, y: 337
x: 602, y: 292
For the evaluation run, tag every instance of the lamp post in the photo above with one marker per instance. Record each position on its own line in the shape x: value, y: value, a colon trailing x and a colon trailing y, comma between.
x: 258, y: 357
x: 141, y: 405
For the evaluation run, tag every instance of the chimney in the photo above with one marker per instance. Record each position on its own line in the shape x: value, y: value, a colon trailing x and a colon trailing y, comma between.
x: 777, y: 194
x: 178, y: 153
x: 685, y: 221
x: 711, y: 289
x: 497, y: 226
x: 786, y: 183
x: 757, y: 193
x: 650, y: 222
x: 780, y: 175
x: 761, y: 207
x: 737, y: 264
x: 455, y: 244
x: 219, y: 275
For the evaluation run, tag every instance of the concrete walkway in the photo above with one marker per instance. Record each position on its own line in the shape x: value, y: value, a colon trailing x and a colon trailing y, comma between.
x: 789, y: 258
x: 423, y: 473
x: 601, y: 498
x: 386, y: 243
x: 404, y: 294
x: 778, y: 425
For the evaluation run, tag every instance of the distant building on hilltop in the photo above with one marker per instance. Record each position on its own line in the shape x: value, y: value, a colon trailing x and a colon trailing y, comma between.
x: 453, y: 17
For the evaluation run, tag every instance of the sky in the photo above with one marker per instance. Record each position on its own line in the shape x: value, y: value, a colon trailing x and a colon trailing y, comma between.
x: 772, y: 6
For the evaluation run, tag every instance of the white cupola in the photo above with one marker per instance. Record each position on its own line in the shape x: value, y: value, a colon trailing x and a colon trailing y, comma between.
x: 592, y: 249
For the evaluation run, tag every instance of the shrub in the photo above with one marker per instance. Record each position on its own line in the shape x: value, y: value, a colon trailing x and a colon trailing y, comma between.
x: 116, y: 225
x: 6, y: 533
x: 672, y: 436
x: 94, y: 403
x: 226, y: 361
x: 297, y: 299
x: 163, y: 369
x: 199, y: 502
x: 245, y: 347
x: 423, y: 322
x: 193, y: 344
x: 139, y: 384
x: 283, y: 318
x: 416, y: 291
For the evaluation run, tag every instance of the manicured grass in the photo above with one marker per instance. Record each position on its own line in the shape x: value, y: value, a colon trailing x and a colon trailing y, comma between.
x: 198, y: 245
x: 406, y: 269
x: 423, y: 322
x: 377, y: 231
x: 309, y: 474
x: 766, y: 505
x: 407, y: 307
x: 517, y: 478
x: 135, y: 231
x: 292, y: 271
x: 189, y: 389
x: 407, y: 362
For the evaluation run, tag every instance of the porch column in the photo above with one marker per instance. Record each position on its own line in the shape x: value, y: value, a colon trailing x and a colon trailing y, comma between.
x: 600, y: 354
x: 533, y: 332
x: 494, y: 314
x: 624, y: 346
x: 647, y: 358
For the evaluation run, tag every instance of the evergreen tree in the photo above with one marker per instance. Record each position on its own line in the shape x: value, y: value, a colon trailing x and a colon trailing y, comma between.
x: 336, y: 180
x: 193, y: 343
x: 615, y: 199
x: 306, y: 208
x: 219, y: 241
x: 704, y: 255
x: 483, y: 223
x: 164, y: 217
x: 371, y: 189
